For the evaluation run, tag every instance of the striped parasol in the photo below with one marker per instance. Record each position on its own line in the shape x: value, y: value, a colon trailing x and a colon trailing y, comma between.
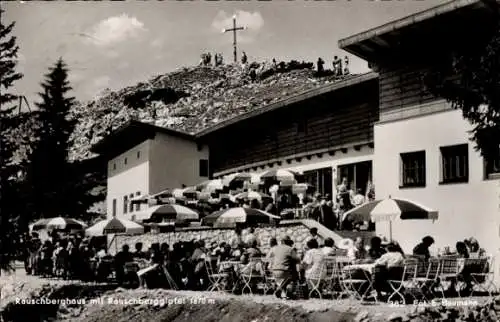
x: 114, y: 226
x: 210, y: 186
x: 236, y: 177
x: 389, y: 210
x: 251, y: 195
x: 177, y: 212
x: 239, y: 215
x: 279, y: 175
x: 58, y: 223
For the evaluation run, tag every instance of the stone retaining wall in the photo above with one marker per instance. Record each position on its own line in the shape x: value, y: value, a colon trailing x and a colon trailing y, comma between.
x: 298, y: 232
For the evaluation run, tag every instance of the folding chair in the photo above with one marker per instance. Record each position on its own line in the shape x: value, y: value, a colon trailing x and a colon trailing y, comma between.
x: 483, y: 276
x: 316, y: 279
x: 427, y: 278
x: 336, y: 280
x: 215, y: 277
x: 405, y: 280
x: 450, y: 268
x: 353, y: 286
x: 331, y: 278
x: 269, y: 282
x: 250, y: 273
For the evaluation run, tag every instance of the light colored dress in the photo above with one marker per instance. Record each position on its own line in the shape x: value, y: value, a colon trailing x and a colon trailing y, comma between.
x: 314, y: 259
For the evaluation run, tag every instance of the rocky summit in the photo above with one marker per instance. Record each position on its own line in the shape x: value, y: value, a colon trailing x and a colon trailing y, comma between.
x: 192, y: 99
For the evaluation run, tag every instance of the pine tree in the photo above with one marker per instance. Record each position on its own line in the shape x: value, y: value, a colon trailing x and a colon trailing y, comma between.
x: 49, y: 172
x: 8, y: 214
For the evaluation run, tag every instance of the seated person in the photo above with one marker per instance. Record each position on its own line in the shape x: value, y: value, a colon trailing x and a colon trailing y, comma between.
x: 284, y: 266
x: 388, y: 266
x: 462, y: 250
x: 358, y: 251
x: 250, y: 238
x: 253, y: 250
x: 329, y: 249
x: 139, y: 254
x: 422, y: 249
x: 376, y: 250
x: 313, y: 261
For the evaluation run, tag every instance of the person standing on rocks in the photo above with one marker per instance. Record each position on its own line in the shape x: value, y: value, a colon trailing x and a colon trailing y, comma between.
x: 346, y: 65
x: 320, y: 65
x: 244, y: 58
x: 336, y: 65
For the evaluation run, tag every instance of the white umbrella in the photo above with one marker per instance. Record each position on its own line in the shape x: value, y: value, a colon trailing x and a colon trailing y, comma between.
x: 279, y: 175
x: 240, y: 215
x: 178, y: 193
x: 58, y: 223
x: 211, y: 186
x: 235, y: 177
x: 251, y: 195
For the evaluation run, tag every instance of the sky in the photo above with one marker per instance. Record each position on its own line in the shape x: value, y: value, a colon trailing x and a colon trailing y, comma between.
x: 117, y: 44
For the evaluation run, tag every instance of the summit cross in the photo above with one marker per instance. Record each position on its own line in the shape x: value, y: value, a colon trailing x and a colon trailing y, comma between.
x: 234, y: 30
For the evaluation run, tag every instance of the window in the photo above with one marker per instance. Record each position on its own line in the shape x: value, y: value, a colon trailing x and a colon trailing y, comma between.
x: 455, y: 163
x: 413, y: 169
x: 114, y: 166
x: 125, y: 161
x: 131, y: 206
x: 114, y: 208
x: 492, y: 166
x: 203, y: 168
x: 125, y: 204
x: 138, y: 154
x: 137, y: 206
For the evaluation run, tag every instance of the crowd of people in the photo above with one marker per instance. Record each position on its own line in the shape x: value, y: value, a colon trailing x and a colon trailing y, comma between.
x: 188, y: 264
x: 326, y: 209
x: 337, y: 63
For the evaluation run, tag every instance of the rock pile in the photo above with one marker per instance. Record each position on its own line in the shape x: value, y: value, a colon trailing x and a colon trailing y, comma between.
x: 298, y: 233
x: 192, y: 99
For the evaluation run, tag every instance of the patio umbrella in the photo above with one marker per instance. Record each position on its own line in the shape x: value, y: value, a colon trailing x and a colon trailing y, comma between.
x: 177, y: 212
x: 58, y: 223
x: 236, y: 177
x: 190, y: 191
x: 114, y: 226
x: 140, y: 199
x: 239, y: 215
x: 279, y: 175
x: 210, y: 186
x: 178, y: 193
x: 390, y: 209
x: 251, y: 195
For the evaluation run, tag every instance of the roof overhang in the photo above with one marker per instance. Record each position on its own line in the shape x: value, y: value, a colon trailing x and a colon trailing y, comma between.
x: 132, y: 134
x: 354, y: 80
x: 435, y: 25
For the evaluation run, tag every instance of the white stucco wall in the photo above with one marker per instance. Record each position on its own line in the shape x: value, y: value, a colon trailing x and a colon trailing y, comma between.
x: 465, y: 209
x: 174, y: 161
x: 128, y: 178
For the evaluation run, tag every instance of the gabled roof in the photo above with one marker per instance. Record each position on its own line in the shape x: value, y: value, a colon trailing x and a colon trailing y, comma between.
x: 132, y: 134
x: 434, y: 24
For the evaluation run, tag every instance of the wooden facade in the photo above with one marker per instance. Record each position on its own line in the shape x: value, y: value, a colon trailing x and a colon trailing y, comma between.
x: 403, y: 87
x: 328, y: 121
